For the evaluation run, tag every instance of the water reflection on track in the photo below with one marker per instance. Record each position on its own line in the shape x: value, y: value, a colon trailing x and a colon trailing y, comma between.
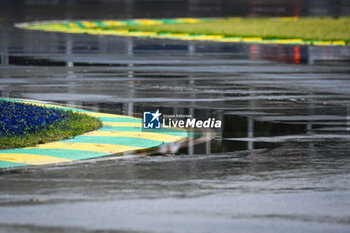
x: 280, y: 160
x: 252, y: 91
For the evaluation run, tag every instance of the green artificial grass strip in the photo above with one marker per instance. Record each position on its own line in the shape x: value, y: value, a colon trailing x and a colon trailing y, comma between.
x: 306, y: 28
x: 72, y: 125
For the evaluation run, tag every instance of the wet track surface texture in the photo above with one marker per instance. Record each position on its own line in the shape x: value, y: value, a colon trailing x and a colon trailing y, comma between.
x: 280, y: 163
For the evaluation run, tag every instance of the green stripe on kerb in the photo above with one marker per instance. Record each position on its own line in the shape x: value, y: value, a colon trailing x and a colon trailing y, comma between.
x: 60, y: 153
x: 12, y: 100
x: 125, y: 141
x: 130, y: 22
x: 80, y: 25
x: 4, y: 164
x: 169, y: 21
x: 99, y: 23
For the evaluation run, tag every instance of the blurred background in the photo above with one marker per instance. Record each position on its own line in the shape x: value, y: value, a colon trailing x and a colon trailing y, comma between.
x: 279, y: 163
x: 71, y: 9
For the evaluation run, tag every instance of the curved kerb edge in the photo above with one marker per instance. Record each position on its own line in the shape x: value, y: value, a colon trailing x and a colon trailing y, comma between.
x: 119, y: 135
x: 92, y: 27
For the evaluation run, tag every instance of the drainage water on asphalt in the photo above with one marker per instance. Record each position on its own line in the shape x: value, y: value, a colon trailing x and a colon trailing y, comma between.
x: 281, y: 155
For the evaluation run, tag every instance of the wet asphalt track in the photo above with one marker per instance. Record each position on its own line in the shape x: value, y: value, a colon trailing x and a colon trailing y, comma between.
x: 280, y: 163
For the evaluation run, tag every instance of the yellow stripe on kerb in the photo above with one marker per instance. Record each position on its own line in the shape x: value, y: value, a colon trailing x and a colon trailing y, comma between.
x: 230, y: 39
x: 135, y: 134
x: 97, y: 114
x: 340, y: 42
x: 251, y: 39
x: 73, y: 25
x: 142, y: 33
x: 177, y: 35
x: 113, y: 23
x: 106, y: 148
x: 188, y: 20
x: 88, y: 24
x: 147, y: 22
x: 30, y: 158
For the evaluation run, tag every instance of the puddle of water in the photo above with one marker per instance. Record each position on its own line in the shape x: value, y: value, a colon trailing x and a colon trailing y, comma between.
x: 281, y: 155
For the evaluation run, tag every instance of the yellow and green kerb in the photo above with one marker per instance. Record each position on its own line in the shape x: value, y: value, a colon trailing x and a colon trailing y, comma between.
x: 119, y: 134
x: 110, y: 27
